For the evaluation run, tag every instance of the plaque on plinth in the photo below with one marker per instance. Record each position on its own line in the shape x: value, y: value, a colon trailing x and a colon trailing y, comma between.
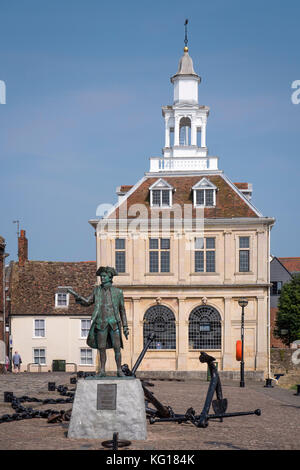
x: 106, y: 405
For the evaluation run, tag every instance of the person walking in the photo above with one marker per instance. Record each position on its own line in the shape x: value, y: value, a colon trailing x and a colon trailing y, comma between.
x: 17, y: 361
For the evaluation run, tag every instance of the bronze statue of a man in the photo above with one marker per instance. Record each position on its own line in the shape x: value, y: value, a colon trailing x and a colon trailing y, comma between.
x: 108, y: 318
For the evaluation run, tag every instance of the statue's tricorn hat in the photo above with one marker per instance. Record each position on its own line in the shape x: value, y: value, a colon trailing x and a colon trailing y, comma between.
x: 106, y: 269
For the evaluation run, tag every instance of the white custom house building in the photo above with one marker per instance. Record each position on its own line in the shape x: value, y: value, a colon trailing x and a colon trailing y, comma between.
x: 188, y: 244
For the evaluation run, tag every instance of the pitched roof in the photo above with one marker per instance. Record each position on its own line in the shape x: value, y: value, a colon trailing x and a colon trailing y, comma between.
x: 33, y: 287
x: 230, y: 203
x: 291, y: 264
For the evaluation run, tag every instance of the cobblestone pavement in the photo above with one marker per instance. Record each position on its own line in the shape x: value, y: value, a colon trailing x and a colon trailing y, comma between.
x: 277, y: 428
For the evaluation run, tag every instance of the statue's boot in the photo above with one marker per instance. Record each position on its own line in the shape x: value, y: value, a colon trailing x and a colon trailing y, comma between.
x: 118, y: 362
x: 102, y: 362
x: 120, y: 373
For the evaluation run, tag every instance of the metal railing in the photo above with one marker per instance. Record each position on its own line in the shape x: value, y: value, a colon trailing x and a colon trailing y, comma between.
x: 72, y: 364
x: 39, y: 366
x: 34, y: 364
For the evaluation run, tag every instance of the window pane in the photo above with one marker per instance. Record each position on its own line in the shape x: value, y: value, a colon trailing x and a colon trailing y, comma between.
x: 39, y: 329
x: 210, y: 243
x: 199, y: 243
x: 86, y: 356
x: 155, y: 197
x: 39, y: 356
x: 204, y: 328
x: 153, y: 261
x: 160, y: 320
x: 165, y: 243
x: 244, y: 242
x: 210, y: 261
x: 165, y: 197
x: 120, y: 261
x: 153, y: 243
x: 276, y: 287
x: 165, y: 261
x: 244, y: 260
x: 199, y: 261
x: 61, y: 298
x: 120, y: 244
x: 85, y: 327
x: 209, y: 197
x: 200, y: 197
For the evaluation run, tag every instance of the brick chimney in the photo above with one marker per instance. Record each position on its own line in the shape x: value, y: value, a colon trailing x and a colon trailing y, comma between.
x: 22, y: 248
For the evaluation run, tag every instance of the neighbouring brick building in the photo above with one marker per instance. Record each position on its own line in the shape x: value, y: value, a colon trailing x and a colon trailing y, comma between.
x: 281, y: 271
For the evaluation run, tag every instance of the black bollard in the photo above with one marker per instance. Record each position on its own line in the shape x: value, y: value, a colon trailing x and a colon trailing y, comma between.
x: 298, y: 391
x: 8, y: 397
x: 51, y: 386
x: 268, y: 383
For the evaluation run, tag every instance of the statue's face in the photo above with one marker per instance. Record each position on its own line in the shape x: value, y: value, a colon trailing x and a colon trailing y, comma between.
x: 105, y: 278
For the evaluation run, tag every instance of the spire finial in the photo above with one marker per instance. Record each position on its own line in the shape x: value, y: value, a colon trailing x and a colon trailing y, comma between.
x: 185, y: 37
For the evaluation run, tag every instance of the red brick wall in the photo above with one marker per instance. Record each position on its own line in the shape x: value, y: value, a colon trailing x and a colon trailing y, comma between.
x: 275, y: 342
x: 22, y: 248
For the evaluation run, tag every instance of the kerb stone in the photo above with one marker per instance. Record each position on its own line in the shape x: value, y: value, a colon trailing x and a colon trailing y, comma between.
x: 91, y: 418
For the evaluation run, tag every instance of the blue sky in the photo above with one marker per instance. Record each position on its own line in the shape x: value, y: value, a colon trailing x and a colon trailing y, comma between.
x: 85, y: 84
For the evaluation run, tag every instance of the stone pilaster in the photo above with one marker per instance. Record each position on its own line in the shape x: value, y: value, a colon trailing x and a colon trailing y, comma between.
x: 137, y: 330
x: 227, y: 341
x: 262, y: 268
x: 261, y: 358
x: 182, y: 336
x: 228, y: 263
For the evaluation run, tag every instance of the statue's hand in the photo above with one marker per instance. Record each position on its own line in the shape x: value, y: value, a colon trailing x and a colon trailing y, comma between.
x: 126, y: 331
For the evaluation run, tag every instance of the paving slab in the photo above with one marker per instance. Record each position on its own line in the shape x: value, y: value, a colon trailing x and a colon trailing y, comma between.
x: 278, y: 428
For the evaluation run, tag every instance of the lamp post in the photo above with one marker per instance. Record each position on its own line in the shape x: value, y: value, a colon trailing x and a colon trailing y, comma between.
x: 242, y: 303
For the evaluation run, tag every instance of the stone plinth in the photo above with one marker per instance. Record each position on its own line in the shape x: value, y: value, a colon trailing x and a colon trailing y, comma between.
x: 104, y: 406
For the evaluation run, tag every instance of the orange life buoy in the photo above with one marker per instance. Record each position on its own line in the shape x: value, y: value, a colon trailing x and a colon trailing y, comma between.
x: 238, y: 353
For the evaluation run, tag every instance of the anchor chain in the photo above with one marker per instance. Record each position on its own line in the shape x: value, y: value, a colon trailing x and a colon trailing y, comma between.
x: 22, y: 412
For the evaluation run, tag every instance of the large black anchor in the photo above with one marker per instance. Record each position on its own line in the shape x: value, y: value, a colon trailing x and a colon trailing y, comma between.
x: 219, y: 404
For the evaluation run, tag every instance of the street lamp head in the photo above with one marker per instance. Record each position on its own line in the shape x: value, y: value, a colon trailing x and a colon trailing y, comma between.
x: 243, y: 303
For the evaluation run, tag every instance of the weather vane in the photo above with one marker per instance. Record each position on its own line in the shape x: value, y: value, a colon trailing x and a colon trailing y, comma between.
x: 185, y: 38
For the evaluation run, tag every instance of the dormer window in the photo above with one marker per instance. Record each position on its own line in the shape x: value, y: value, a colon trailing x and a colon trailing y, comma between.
x: 161, y: 194
x: 61, y: 299
x: 204, y: 193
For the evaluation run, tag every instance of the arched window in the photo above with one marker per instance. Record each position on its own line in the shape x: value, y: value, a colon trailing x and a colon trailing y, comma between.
x: 204, y: 328
x: 160, y: 320
x: 185, y: 131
